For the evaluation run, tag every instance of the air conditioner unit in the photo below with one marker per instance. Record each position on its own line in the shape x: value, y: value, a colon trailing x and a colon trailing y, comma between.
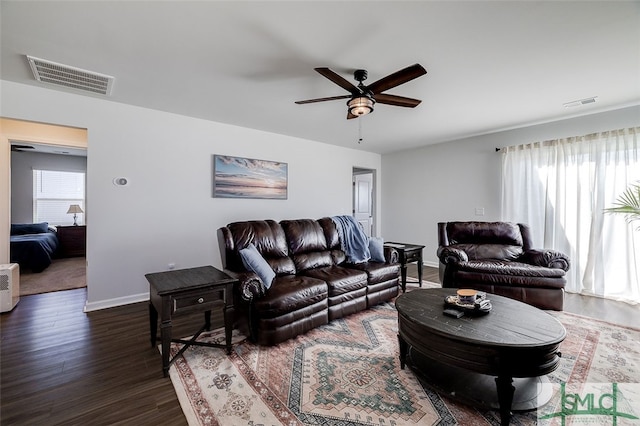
x: 9, y: 286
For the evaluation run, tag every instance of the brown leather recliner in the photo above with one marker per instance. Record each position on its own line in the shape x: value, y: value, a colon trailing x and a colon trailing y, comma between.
x: 313, y: 284
x: 498, y: 258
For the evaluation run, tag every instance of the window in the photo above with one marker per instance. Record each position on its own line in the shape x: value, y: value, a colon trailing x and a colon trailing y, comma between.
x: 54, y: 192
x: 561, y: 189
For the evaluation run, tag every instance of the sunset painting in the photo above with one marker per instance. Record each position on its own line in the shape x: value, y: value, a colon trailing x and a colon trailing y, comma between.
x: 237, y: 177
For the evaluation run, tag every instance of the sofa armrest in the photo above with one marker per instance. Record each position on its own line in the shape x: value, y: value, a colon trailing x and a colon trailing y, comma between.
x: 391, y: 255
x: 448, y: 255
x: 547, y: 258
x: 250, y: 286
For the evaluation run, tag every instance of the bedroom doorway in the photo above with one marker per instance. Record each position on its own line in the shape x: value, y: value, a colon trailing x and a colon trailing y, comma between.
x: 43, y: 177
x: 44, y: 147
x: 364, y: 205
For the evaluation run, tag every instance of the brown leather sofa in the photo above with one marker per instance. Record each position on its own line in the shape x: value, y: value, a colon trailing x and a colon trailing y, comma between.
x: 313, y: 284
x: 498, y: 258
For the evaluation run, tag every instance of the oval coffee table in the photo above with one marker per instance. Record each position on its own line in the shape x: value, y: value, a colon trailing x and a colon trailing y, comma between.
x: 476, y: 358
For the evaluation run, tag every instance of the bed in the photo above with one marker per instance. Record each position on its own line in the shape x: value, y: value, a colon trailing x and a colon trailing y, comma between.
x: 33, y: 245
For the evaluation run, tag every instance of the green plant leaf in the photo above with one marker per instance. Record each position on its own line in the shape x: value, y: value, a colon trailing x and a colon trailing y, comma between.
x: 628, y: 203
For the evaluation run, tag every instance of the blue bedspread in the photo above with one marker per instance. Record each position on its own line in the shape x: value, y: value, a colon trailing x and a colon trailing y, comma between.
x: 353, y: 240
x: 33, y: 251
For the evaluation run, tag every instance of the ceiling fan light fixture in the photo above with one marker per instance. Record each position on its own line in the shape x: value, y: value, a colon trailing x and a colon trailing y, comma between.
x: 360, y: 105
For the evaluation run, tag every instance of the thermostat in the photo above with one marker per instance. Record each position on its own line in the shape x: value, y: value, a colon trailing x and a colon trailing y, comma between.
x: 121, y: 181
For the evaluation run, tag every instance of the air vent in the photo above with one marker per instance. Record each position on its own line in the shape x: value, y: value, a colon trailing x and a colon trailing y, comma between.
x: 67, y: 76
x: 580, y: 102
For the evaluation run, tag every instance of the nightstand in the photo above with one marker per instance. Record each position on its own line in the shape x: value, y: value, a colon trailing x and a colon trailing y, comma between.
x: 72, y: 240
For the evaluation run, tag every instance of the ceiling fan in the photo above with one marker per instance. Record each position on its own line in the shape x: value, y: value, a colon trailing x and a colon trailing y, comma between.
x: 362, y: 98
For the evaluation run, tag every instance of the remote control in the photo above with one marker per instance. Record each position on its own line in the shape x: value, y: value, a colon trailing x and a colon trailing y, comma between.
x: 453, y: 313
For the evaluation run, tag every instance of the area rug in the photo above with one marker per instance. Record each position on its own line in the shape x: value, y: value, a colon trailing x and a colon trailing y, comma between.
x: 348, y: 373
x: 62, y: 274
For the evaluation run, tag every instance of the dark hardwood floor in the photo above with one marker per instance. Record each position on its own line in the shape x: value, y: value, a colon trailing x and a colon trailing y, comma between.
x: 60, y: 366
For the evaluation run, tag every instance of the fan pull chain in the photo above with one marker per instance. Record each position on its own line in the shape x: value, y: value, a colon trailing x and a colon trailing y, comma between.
x: 359, y: 130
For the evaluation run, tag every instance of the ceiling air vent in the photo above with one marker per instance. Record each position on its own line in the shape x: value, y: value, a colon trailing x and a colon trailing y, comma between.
x: 75, y: 78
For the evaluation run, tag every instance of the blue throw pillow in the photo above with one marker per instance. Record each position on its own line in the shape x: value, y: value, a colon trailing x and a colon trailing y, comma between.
x: 376, y: 247
x: 253, y: 261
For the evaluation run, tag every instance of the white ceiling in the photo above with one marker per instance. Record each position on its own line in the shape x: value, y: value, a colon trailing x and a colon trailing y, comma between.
x: 491, y: 65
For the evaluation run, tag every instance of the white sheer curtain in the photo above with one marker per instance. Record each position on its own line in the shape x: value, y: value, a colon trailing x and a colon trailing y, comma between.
x: 560, y: 189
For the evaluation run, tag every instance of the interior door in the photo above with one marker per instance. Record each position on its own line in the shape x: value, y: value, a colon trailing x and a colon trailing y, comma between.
x: 363, y: 201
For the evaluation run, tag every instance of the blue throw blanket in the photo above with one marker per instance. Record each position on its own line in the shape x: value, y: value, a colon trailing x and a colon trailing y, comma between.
x: 353, y: 240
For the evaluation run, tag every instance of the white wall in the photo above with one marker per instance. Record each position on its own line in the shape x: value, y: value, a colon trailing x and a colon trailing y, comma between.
x: 167, y: 213
x: 448, y: 181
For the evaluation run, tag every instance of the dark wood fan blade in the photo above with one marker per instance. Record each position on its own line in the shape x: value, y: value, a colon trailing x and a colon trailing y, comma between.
x: 332, y: 98
x: 397, y: 78
x: 337, y: 79
x: 396, y: 100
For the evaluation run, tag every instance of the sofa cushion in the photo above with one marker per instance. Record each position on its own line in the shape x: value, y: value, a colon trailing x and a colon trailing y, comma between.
x: 254, y: 262
x: 378, y: 272
x: 489, y: 251
x: 333, y: 240
x: 312, y: 260
x: 339, y: 280
x: 506, y: 233
x: 330, y: 232
x: 268, y: 238
x: 307, y: 244
x: 304, y: 235
x: 376, y: 248
x: 290, y: 293
x: 509, y: 268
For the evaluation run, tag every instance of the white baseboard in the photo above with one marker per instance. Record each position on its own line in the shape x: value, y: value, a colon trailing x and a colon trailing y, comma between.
x: 118, y: 301
x: 431, y: 264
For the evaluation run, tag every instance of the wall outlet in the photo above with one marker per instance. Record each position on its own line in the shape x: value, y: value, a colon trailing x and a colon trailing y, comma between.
x: 479, y: 211
x: 171, y: 266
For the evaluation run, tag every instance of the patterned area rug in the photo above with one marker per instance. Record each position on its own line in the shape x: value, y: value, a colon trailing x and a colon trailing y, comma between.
x: 348, y: 373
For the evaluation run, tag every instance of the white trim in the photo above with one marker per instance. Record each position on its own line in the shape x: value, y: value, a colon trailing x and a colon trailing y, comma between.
x: 118, y: 301
x: 431, y: 264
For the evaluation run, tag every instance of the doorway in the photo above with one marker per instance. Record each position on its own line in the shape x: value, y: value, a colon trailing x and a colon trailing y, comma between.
x: 47, y: 138
x: 364, y: 199
x: 47, y: 181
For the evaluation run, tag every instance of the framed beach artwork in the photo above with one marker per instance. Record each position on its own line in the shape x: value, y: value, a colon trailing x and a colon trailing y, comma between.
x: 238, y: 177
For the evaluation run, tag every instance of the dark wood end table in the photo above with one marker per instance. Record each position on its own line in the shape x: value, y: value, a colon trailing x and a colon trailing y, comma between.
x: 476, y: 358
x: 408, y: 253
x: 186, y: 291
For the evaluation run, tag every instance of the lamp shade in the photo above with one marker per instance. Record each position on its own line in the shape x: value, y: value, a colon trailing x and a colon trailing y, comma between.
x: 360, y: 105
x: 74, y: 208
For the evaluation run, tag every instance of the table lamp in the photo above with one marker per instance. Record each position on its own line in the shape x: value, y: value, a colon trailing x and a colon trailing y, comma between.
x: 75, y: 209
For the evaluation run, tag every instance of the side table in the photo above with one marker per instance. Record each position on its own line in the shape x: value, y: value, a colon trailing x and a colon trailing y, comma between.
x: 190, y: 290
x: 408, y: 253
x: 72, y: 240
